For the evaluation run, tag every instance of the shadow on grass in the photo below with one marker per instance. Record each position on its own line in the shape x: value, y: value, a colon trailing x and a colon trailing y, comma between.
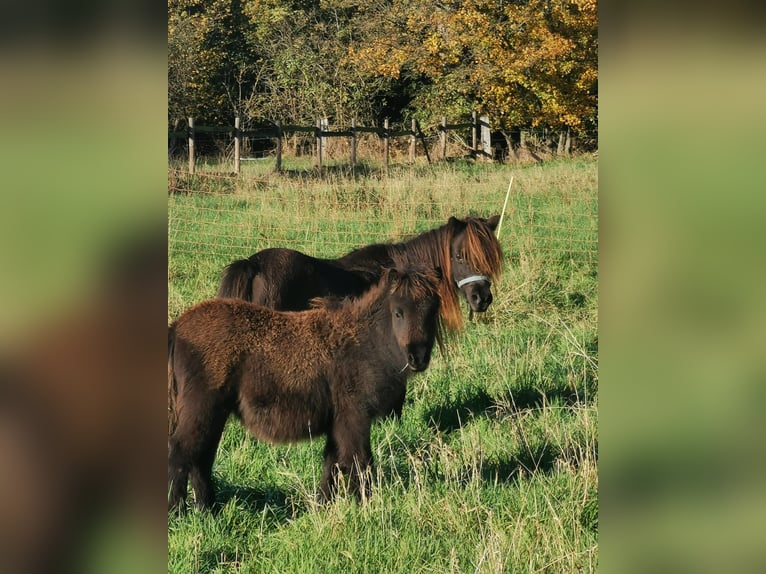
x: 450, y: 416
x: 529, y: 458
x: 535, y: 460
x: 530, y: 398
x: 331, y: 171
x: 362, y: 169
x: 529, y: 461
x: 281, y: 507
x: 254, y: 500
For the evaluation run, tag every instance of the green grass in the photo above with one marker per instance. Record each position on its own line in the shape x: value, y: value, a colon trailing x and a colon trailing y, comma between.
x: 492, y: 467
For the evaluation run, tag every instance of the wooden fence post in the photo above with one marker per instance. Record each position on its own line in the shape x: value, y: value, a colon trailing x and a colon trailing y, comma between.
x: 486, y: 137
x: 191, y: 145
x: 325, y: 128
x: 385, y: 144
x: 319, y: 143
x: 278, y: 167
x: 237, y: 138
x: 413, y: 142
x: 353, y: 143
x: 474, y: 134
x: 443, y: 136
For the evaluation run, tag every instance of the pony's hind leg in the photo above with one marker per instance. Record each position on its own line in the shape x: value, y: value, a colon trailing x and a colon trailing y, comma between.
x: 202, y: 471
x: 193, y: 445
x: 178, y: 475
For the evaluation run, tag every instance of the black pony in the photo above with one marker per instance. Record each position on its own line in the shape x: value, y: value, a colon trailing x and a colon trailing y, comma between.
x: 465, y: 250
x: 290, y: 376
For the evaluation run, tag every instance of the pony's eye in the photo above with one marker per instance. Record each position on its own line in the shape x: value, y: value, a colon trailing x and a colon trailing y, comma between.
x: 398, y: 313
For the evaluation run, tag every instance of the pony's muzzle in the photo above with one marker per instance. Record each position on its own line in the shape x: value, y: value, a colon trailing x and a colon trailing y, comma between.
x: 477, y: 290
x: 480, y: 302
x: 478, y: 297
x: 418, y: 357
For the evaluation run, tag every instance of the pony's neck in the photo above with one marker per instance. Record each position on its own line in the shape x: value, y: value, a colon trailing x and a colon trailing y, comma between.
x: 426, y: 248
x: 372, y: 317
x: 421, y: 249
x: 369, y: 305
x: 375, y: 256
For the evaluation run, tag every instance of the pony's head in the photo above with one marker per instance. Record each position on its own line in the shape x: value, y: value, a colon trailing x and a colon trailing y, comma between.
x: 413, y: 303
x: 475, y: 258
x: 475, y: 288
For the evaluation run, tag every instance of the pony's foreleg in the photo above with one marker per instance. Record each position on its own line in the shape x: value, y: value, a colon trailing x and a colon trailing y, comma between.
x: 328, y: 484
x: 361, y: 474
x: 355, y: 454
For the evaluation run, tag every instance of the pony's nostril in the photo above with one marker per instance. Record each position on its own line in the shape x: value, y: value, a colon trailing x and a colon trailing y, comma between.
x: 419, y: 359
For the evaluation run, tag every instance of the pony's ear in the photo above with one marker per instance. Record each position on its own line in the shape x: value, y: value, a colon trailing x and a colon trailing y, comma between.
x: 457, y: 223
x: 390, y: 275
x: 493, y: 221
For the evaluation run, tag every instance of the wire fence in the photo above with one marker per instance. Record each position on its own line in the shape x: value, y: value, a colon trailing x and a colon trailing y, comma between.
x: 220, y: 217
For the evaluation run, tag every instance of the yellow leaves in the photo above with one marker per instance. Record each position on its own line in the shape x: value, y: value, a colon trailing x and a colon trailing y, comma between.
x: 571, y: 120
x: 266, y: 12
x: 586, y: 5
x: 339, y: 4
x: 469, y: 18
x: 386, y: 61
x: 587, y: 79
x: 532, y: 62
x: 432, y: 44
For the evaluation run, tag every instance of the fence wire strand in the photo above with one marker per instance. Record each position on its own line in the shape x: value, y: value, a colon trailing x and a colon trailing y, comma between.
x: 221, y: 216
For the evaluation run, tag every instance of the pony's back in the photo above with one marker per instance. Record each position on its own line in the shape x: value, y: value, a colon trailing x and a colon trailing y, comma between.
x: 286, y: 279
x: 224, y: 331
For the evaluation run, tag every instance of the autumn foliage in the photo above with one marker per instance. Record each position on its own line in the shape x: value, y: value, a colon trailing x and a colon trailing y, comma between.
x: 525, y: 63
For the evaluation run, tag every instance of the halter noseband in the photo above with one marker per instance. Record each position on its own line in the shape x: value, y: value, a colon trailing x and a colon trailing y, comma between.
x: 472, y: 279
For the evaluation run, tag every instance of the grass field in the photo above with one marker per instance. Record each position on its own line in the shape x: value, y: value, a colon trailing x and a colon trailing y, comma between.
x: 493, y: 465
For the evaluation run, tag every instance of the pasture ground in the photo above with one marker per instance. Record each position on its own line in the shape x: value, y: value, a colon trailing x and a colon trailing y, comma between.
x: 493, y: 466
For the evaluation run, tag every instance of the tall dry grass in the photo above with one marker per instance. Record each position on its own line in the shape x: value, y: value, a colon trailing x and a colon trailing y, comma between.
x: 493, y: 466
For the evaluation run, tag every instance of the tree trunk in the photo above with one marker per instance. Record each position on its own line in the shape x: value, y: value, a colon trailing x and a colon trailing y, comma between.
x: 510, y: 153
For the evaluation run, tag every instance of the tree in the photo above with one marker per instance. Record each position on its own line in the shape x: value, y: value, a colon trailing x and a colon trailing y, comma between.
x: 304, y: 71
x: 525, y: 63
x: 209, y: 59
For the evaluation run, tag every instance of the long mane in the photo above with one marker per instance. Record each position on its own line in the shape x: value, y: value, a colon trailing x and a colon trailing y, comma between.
x: 431, y: 249
x: 481, y: 249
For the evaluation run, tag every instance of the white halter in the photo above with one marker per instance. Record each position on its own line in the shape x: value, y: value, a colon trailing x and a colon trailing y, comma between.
x: 472, y: 279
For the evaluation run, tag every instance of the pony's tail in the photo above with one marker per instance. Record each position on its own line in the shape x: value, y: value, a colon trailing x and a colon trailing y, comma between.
x: 172, y: 383
x: 237, y: 279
